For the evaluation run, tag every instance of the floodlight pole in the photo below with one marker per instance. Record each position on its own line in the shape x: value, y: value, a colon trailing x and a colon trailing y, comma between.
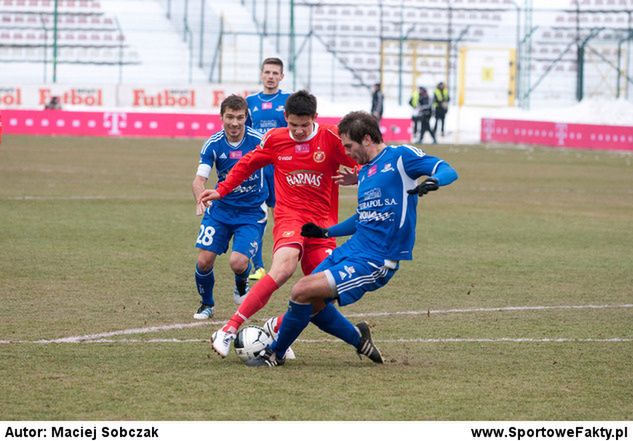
x: 291, y: 45
x: 55, y: 19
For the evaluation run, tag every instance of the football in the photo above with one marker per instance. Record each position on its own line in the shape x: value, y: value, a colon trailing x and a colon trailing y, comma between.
x: 249, y: 342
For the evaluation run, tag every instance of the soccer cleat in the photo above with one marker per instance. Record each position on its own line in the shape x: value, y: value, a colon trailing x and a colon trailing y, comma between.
x: 269, y: 327
x: 237, y: 297
x: 366, y: 346
x: 257, y: 274
x: 221, y: 342
x: 268, y: 358
x: 204, y: 312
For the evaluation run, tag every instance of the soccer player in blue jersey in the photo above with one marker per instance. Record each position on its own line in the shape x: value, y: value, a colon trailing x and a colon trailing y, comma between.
x: 383, y: 234
x: 265, y: 112
x: 236, y: 215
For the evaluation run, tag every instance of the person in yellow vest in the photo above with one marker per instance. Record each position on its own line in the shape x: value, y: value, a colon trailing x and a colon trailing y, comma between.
x: 416, y: 116
x: 440, y: 105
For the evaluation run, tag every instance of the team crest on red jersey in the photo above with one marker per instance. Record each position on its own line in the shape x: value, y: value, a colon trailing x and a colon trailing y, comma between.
x: 302, y: 148
x: 319, y: 156
x: 236, y: 154
x: 288, y: 233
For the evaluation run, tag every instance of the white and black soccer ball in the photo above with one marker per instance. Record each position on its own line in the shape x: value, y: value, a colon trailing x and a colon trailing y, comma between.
x: 250, y: 341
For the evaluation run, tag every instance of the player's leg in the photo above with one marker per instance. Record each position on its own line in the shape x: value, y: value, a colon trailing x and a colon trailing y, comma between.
x: 284, y: 264
x: 307, y: 295
x: 258, y: 260
x: 212, y: 240
x: 315, y: 252
x: 205, y: 280
x: 348, y: 279
x: 245, y: 245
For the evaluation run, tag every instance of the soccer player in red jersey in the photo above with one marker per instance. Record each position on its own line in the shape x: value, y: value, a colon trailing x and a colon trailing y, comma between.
x: 306, y: 157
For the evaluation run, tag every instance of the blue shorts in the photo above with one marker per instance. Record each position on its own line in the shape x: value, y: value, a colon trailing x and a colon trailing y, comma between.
x: 219, y: 225
x: 352, y: 276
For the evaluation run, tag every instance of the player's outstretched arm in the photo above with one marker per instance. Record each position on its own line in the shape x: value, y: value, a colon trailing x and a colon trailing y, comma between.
x: 444, y: 175
x: 345, y: 228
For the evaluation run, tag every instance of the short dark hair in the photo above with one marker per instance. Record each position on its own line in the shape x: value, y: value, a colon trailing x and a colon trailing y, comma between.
x: 301, y: 103
x: 358, y: 124
x: 233, y: 102
x: 275, y: 61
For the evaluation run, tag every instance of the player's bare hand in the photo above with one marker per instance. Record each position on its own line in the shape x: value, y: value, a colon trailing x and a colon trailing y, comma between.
x: 208, y: 196
x: 346, y: 176
x: 200, y: 209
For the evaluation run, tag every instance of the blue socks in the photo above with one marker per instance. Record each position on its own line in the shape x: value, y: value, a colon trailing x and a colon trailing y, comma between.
x: 296, y: 319
x: 333, y: 322
x: 204, y: 283
x: 328, y: 319
x: 241, y: 279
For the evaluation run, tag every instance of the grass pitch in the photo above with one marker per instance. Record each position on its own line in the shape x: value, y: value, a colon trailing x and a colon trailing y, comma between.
x: 518, y: 304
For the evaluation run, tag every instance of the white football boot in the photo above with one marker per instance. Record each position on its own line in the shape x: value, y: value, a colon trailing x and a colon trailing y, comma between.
x: 221, y: 342
x: 204, y: 312
x: 269, y: 327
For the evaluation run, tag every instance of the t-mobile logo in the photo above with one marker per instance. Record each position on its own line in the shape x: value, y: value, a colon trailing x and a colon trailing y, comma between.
x: 114, y: 122
x: 561, y: 133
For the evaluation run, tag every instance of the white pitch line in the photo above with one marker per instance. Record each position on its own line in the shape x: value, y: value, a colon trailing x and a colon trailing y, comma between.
x: 499, y: 309
x: 80, y: 338
x: 329, y: 341
x: 160, y: 328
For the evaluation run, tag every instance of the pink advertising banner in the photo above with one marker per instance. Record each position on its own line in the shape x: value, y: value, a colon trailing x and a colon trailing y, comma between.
x: 160, y: 125
x: 585, y: 136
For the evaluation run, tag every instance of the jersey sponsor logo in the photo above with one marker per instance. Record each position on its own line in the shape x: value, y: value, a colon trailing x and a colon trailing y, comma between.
x: 372, y: 170
x: 387, y: 168
x: 302, y: 148
x: 287, y: 234
x: 304, y: 177
x: 241, y: 189
x: 236, y: 154
x: 374, y: 193
x: 373, y: 216
x: 284, y: 158
x: 267, y: 106
x: 319, y: 156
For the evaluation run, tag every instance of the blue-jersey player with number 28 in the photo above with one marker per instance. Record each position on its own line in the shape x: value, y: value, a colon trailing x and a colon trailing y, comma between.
x: 266, y: 111
x: 383, y: 229
x: 236, y: 215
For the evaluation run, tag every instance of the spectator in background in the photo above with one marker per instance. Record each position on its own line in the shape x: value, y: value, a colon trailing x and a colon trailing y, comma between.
x: 440, y: 105
x: 377, y: 102
x: 53, y: 104
x: 423, y: 110
x: 265, y: 112
x: 417, y: 121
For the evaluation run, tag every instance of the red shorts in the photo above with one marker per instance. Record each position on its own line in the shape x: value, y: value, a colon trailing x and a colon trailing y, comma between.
x: 312, y: 251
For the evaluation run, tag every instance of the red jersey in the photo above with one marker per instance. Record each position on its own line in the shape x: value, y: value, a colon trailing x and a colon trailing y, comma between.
x: 304, y: 188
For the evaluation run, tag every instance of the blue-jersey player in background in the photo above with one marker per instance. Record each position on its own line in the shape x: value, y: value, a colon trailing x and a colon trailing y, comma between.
x: 383, y: 234
x: 236, y: 215
x: 265, y: 112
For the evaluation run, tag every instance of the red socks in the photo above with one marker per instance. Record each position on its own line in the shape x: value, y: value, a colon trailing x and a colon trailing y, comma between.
x: 256, y: 299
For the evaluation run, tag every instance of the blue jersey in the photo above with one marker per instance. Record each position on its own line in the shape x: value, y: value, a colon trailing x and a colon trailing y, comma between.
x: 218, y: 152
x: 265, y: 111
x: 386, y: 214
